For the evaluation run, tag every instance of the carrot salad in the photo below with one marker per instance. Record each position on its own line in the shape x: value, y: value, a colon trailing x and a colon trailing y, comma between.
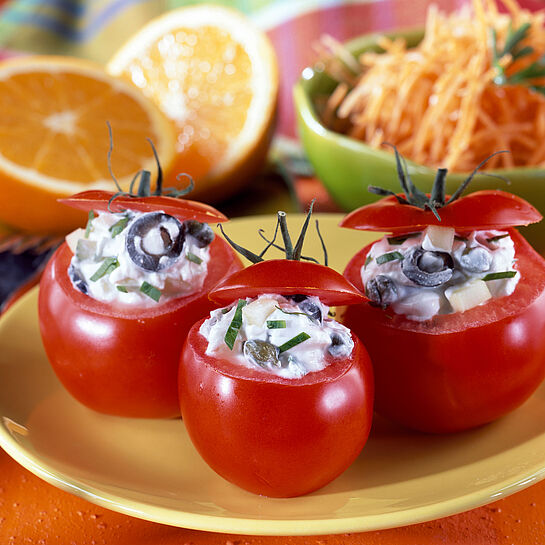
x: 474, y: 85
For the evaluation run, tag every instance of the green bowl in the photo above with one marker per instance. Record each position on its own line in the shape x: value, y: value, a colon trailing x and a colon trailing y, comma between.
x: 346, y: 166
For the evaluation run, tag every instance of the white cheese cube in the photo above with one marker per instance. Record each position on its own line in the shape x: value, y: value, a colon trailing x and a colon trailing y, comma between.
x: 73, y: 237
x: 438, y: 238
x: 86, y: 249
x: 257, y: 312
x: 468, y: 296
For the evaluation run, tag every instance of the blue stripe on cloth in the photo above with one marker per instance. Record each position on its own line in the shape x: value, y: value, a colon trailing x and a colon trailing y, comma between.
x: 76, y: 8
x: 65, y: 30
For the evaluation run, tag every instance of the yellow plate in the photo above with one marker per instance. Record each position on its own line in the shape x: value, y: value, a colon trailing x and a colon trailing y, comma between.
x: 149, y: 469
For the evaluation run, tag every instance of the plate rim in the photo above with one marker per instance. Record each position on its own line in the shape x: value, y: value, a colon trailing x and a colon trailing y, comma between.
x: 301, y: 525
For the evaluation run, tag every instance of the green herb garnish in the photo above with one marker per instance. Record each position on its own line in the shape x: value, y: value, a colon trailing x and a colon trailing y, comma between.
x: 151, y: 291
x: 396, y: 241
x: 276, y: 324
x: 294, y: 341
x: 90, y: 218
x: 499, y: 275
x: 118, y: 227
x: 193, y: 258
x: 515, y: 50
x: 108, y: 265
x: 461, y: 239
x: 391, y: 256
x: 368, y: 260
x: 235, y: 325
x: 294, y: 313
x: 496, y: 238
x: 122, y: 289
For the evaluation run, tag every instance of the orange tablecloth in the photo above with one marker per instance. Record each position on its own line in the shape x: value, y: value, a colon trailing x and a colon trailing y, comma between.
x: 34, y: 512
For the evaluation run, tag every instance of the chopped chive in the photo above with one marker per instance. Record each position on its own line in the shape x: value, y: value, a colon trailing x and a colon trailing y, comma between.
x: 294, y: 313
x: 150, y: 291
x: 107, y: 266
x: 396, y: 241
x: 90, y: 218
x: 496, y: 238
x: 122, y: 289
x: 462, y: 239
x: 391, y: 256
x: 235, y: 325
x: 193, y: 258
x: 368, y: 260
x: 294, y: 341
x: 225, y: 310
x: 117, y: 227
x: 499, y: 275
x: 276, y: 324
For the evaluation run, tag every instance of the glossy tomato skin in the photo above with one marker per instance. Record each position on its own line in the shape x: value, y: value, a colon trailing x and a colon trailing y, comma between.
x: 457, y: 371
x: 121, y: 361
x: 274, y: 436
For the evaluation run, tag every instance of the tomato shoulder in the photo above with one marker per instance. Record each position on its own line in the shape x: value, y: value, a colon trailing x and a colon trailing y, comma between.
x: 477, y: 211
x: 287, y: 277
x: 182, y: 209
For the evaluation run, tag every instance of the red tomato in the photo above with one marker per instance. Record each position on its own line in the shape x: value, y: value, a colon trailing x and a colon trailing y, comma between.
x: 180, y: 208
x: 457, y: 371
x: 123, y: 360
x: 477, y: 211
x: 270, y: 435
x: 287, y: 278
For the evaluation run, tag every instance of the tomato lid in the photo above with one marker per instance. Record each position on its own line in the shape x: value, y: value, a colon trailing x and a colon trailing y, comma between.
x: 287, y: 277
x: 182, y: 209
x: 488, y: 209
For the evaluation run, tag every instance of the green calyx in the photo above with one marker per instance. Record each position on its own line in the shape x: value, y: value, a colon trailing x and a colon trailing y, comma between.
x: 293, y: 251
x: 437, y: 198
x: 143, y: 177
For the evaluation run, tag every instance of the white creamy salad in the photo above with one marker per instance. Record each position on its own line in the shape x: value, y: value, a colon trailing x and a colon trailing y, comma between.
x: 438, y: 271
x: 139, y: 258
x: 286, y: 335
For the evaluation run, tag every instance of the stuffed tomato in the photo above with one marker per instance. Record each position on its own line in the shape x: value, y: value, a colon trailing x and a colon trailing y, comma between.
x: 455, y: 322
x: 277, y: 397
x: 118, y: 298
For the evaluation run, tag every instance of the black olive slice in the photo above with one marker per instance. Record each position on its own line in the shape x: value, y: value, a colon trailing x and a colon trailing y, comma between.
x: 201, y: 232
x: 262, y: 353
x: 312, y: 310
x: 171, y: 248
x: 297, y: 298
x: 77, y: 279
x: 476, y: 260
x: 427, y: 268
x: 381, y: 290
x: 341, y: 345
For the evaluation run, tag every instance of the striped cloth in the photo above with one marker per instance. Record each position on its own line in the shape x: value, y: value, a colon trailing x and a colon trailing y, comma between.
x: 91, y: 29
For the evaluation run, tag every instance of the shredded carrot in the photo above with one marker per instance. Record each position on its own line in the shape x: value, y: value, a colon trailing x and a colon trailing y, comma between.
x: 440, y: 103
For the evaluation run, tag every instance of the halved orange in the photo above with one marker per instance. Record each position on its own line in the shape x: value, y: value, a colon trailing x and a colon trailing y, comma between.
x: 54, y: 137
x: 215, y: 75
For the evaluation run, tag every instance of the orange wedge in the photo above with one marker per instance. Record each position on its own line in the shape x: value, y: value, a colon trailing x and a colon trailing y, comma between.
x: 54, y: 138
x: 215, y: 76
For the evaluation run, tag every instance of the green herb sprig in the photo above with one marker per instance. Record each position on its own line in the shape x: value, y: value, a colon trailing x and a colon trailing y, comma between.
x: 235, y: 325
x: 515, y: 48
x: 108, y: 265
x: 294, y: 341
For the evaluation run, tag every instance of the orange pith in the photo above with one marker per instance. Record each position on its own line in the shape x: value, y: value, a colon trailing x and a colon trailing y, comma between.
x: 54, y: 137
